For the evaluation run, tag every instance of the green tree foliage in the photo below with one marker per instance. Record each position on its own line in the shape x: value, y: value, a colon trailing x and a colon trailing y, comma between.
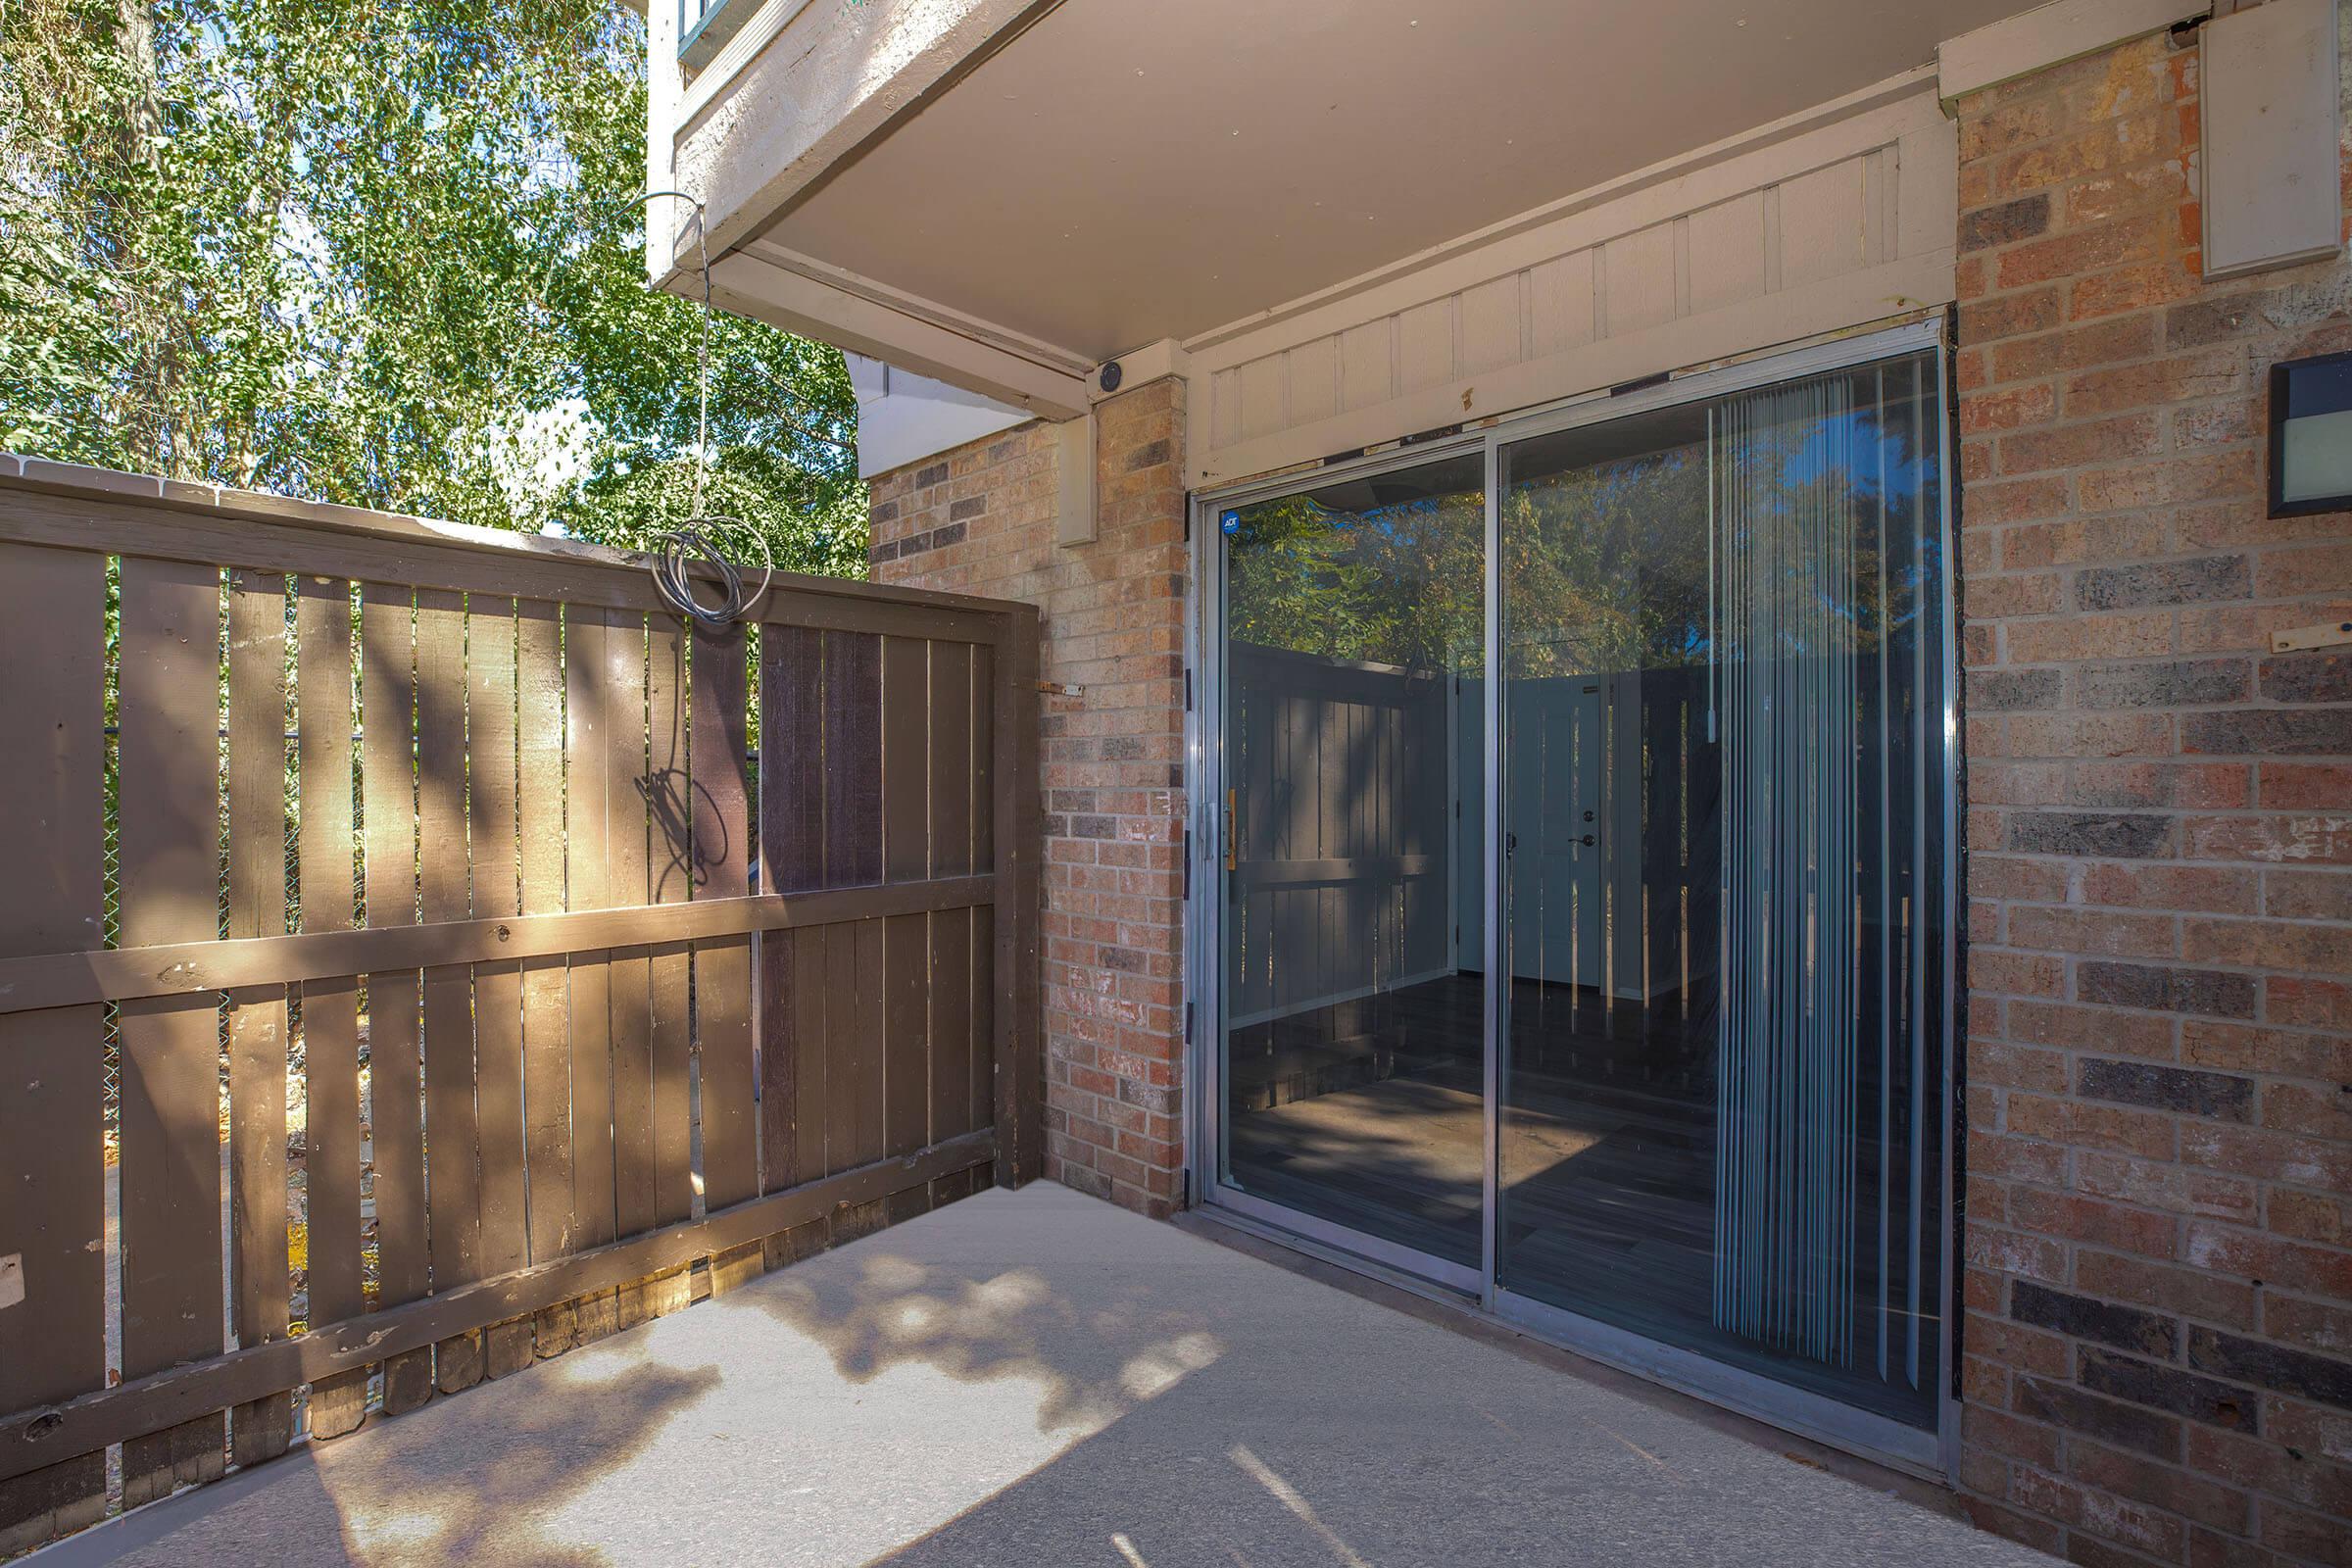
x: 388, y: 255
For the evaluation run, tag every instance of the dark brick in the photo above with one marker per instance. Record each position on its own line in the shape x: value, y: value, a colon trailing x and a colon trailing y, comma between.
x: 2009, y: 690
x: 947, y: 533
x: 2218, y: 320
x: 915, y: 543
x: 2126, y: 1426
x: 2133, y: 836
x: 2022, y: 219
x: 2321, y: 1378
x: 2126, y: 1328
x: 2163, y: 582
x: 2168, y: 683
x: 888, y: 551
x: 1008, y: 448
x: 1122, y: 748
x: 886, y: 512
x: 2168, y: 1388
x: 2308, y: 678
x: 1071, y: 800
x: 1093, y: 828
x: 925, y: 478
x: 1148, y: 456
x: 969, y: 507
x: 2268, y: 732
x: 2175, y: 1088
x: 2215, y: 993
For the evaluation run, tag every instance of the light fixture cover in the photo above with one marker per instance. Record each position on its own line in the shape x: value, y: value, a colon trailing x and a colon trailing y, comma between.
x: 2311, y: 436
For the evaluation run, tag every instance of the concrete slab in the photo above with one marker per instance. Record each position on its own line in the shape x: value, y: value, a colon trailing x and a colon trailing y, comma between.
x: 1038, y: 1378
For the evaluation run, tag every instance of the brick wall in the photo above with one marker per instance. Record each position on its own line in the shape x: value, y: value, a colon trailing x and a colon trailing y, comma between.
x: 2158, y: 1248
x: 981, y: 520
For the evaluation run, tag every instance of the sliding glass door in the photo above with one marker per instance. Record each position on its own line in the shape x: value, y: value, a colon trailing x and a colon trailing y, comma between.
x: 1685, y: 1107
x: 1723, y: 688
x: 1353, y: 1043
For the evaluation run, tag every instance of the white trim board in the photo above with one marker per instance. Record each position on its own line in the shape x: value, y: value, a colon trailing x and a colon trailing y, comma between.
x: 2049, y: 35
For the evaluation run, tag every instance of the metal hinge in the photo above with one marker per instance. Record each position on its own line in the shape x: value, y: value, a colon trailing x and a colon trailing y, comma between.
x: 1188, y: 864
x: 1188, y: 1020
x: 1188, y: 691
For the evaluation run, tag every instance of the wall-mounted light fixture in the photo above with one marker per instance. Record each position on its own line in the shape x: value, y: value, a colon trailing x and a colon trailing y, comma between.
x: 2311, y: 436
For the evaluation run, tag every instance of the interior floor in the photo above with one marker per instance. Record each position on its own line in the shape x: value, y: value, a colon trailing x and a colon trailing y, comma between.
x: 1368, y: 1114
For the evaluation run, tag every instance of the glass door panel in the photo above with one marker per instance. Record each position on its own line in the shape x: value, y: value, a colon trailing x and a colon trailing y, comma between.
x: 1723, y: 659
x: 1352, y: 1021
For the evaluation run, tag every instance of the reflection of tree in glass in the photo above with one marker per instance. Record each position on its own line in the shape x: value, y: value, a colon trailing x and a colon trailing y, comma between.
x: 1606, y: 563
x: 1400, y: 584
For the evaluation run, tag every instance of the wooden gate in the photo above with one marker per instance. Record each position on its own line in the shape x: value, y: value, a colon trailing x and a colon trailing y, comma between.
x: 388, y: 983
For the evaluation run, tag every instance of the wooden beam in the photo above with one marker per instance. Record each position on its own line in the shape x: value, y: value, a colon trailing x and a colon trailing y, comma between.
x: 126, y: 514
x: 71, y: 979
x: 42, y: 1436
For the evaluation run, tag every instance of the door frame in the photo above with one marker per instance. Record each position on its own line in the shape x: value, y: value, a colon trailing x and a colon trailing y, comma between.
x: 1930, y: 1452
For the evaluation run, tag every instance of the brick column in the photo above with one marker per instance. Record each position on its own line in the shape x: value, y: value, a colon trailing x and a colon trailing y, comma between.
x: 2158, y: 1245
x: 981, y: 520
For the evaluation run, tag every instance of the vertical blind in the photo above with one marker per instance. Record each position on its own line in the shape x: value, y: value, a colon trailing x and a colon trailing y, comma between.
x: 1820, y: 578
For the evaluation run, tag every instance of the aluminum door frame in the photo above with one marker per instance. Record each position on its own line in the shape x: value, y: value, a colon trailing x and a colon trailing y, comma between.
x: 1931, y: 1452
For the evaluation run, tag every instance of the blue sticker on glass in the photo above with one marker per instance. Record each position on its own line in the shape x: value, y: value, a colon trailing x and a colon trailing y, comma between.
x: 1231, y: 522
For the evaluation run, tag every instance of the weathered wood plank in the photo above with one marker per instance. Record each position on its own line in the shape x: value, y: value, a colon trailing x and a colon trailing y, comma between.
x: 905, y: 789
x: 453, y: 1136
x: 260, y: 1280
x: 539, y: 844
x: 306, y: 539
x: 792, y: 759
x: 490, y: 799
x: 395, y: 1064
x: 670, y: 868
x: 589, y: 714
x: 178, y: 968
x: 629, y: 971
x: 52, y: 1073
x: 168, y: 711
x: 30, y: 1439
x: 330, y: 1037
x: 1018, y: 847
x: 953, y: 807
x: 905, y: 703
x: 720, y: 751
x: 852, y: 764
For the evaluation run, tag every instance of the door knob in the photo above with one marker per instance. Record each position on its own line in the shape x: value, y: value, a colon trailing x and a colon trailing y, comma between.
x: 1587, y: 840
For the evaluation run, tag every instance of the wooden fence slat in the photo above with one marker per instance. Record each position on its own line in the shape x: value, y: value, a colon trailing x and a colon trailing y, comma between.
x: 588, y: 714
x: 490, y: 746
x: 718, y: 753
x: 852, y: 767
x: 452, y: 1136
x: 171, y: 1158
x: 792, y: 776
x: 260, y: 1283
x: 628, y: 971
x: 670, y: 868
x: 395, y: 1066
x: 905, y: 786
x: 331, y: 1007
x: 52, y: 1084
x: 1017, y: 847
x: 953, y: 809
x: 539, y: 846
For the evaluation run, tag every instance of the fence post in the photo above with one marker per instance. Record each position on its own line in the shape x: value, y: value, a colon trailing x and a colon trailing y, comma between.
x: 1020, y: 849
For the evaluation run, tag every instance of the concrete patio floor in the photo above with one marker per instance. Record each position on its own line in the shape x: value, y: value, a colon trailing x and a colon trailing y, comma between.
x: 1036, y: 1378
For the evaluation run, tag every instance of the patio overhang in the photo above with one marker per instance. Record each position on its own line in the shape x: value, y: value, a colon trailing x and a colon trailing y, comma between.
x: 1005, y: 195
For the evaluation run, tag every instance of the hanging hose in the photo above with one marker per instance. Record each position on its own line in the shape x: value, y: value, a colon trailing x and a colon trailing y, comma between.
x: 673, y: 579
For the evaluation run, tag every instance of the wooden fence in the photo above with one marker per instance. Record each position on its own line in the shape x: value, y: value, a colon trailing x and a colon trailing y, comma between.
x: 447, y: 834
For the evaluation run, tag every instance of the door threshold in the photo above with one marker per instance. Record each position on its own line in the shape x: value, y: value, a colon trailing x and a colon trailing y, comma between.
x: 1916, y: 1481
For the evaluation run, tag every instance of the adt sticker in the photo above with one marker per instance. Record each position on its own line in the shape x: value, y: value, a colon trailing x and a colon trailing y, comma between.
x: 1231, y: 522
